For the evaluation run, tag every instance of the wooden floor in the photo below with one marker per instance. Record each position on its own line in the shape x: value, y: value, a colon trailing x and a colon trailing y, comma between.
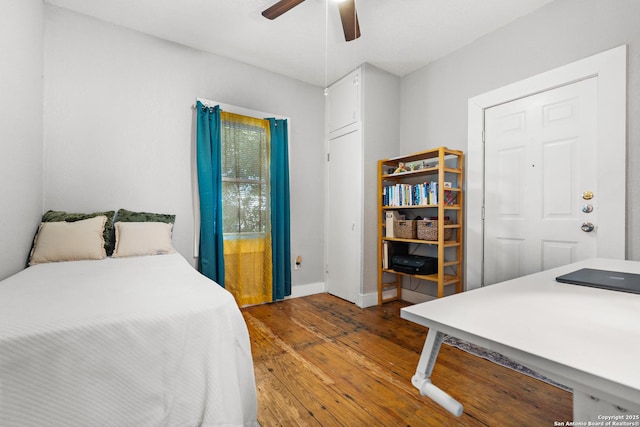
x: 321, y: 361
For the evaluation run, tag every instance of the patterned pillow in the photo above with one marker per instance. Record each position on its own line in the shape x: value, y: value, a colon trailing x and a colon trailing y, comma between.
x: 109, y: 236
x: 130, y: 216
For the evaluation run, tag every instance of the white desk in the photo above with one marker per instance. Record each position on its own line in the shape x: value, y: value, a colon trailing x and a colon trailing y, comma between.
x: 584, y: 338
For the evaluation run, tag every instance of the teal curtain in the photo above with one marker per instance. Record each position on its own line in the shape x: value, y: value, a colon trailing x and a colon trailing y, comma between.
x: 280, y: 213
x: 208, y: 160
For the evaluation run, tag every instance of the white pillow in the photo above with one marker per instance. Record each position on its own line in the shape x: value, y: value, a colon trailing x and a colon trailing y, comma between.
x: 143, y: 238
x: 69, y: 241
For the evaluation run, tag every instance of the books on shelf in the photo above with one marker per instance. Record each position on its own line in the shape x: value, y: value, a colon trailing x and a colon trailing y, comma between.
x: 422, y: 194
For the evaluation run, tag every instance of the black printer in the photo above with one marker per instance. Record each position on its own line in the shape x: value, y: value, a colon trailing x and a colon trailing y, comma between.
x: 414, y: 264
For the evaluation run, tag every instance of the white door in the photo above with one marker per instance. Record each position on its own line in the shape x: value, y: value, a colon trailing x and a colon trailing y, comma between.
x: 344, y: 246
x: 343, y: 102
x: 540, y: 166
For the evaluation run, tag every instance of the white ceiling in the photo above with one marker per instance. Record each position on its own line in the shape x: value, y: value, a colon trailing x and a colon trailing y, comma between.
x: 307, y: 43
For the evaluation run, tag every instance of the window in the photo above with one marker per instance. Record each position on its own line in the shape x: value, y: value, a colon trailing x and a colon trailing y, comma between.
x: 245, y: 207
x: 245, y: 175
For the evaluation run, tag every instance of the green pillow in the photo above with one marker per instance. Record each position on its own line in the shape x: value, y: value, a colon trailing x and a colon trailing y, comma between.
x: 109, y: 237
x: 130, y: 216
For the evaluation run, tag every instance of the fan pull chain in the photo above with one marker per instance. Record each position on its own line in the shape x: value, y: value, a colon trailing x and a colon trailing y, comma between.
x: 326, y: 47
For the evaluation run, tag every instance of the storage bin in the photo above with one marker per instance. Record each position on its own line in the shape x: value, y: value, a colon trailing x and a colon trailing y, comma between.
x: 428, y: 230
x: 405, y: 229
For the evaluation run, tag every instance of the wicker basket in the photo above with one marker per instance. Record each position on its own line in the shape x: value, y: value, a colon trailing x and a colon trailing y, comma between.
x: 404, y: 229
x: 428, y: 230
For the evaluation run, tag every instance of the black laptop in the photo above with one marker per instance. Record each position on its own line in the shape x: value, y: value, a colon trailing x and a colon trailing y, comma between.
x: 604, y: 279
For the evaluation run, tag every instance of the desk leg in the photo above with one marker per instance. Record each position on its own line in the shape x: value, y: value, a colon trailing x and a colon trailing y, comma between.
x: 422, y: 378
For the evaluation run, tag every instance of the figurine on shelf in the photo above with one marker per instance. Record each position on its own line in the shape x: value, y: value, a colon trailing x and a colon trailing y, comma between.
x: 400, y: 168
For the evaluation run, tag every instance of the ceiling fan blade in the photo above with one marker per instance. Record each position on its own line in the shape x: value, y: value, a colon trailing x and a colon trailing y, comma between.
x: 349, y: 18
x: 279, y: 8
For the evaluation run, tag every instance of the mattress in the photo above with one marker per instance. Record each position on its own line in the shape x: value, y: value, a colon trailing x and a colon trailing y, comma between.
x: 144, y: 341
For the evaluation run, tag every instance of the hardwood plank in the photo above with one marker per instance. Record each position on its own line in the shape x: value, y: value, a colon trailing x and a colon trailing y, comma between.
x: 309, y: 383
x: 276, y: 402
x: 323, y: 361
x: 516, y: 399
x: 373, y: 388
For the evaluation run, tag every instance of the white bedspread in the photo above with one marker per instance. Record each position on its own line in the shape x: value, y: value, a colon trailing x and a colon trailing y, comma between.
x: 144, y: 341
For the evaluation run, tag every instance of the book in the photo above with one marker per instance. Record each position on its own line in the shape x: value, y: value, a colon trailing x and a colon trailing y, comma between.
x: 385, y: 255
x: 450, y: 197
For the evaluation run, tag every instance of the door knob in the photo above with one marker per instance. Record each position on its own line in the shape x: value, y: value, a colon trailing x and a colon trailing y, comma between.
x: 587, y: 195
x: 587, y: 227
x: 586, y: 208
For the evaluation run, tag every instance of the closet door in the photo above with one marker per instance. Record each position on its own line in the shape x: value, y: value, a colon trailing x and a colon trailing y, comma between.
x: 343, y: 103
x: 344, y: 219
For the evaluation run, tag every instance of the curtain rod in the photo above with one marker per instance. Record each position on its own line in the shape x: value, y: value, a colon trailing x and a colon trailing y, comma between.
x: 205, y: 102
x: 238, y: 110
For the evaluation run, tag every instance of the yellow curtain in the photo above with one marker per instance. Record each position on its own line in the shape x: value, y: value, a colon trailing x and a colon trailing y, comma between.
x: 247, y: 248
x: 247, y: 267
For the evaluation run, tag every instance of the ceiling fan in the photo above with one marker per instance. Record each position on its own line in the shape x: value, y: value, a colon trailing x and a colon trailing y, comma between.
x: 348, y: 15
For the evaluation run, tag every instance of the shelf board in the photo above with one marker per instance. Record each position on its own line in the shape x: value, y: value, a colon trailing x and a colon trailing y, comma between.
x: 447, y: 243
x: 428, y: 154
x: 393, y: 298
x: 449, y: 279
x: 451, y: 207
x: 419, y: 172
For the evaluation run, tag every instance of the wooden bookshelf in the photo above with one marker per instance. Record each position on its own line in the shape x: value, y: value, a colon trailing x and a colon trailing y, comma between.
x: 419, y: 190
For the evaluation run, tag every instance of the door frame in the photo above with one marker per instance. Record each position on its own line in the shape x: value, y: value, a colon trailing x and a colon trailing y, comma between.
x: 610, y: 68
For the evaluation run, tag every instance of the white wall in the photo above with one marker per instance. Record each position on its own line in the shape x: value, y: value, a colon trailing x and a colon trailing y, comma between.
x: 434, y: 99
x: 119, y: 123
x: 20, y: 130
x: 380, y: 133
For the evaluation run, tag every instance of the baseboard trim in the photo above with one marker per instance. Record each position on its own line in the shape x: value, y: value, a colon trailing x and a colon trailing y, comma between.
x: 367, y: 300
x: 298, y: 291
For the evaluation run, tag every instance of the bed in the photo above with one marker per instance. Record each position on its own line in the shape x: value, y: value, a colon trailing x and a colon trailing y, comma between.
x: 130, y: 341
